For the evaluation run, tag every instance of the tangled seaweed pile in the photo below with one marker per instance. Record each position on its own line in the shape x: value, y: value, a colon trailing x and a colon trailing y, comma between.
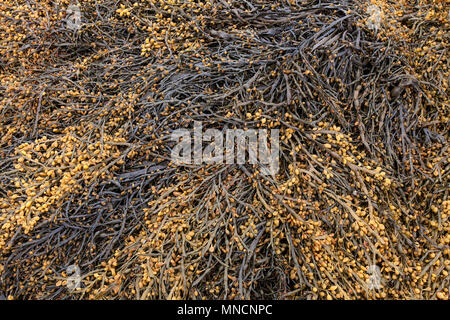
x: 359, y: 91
